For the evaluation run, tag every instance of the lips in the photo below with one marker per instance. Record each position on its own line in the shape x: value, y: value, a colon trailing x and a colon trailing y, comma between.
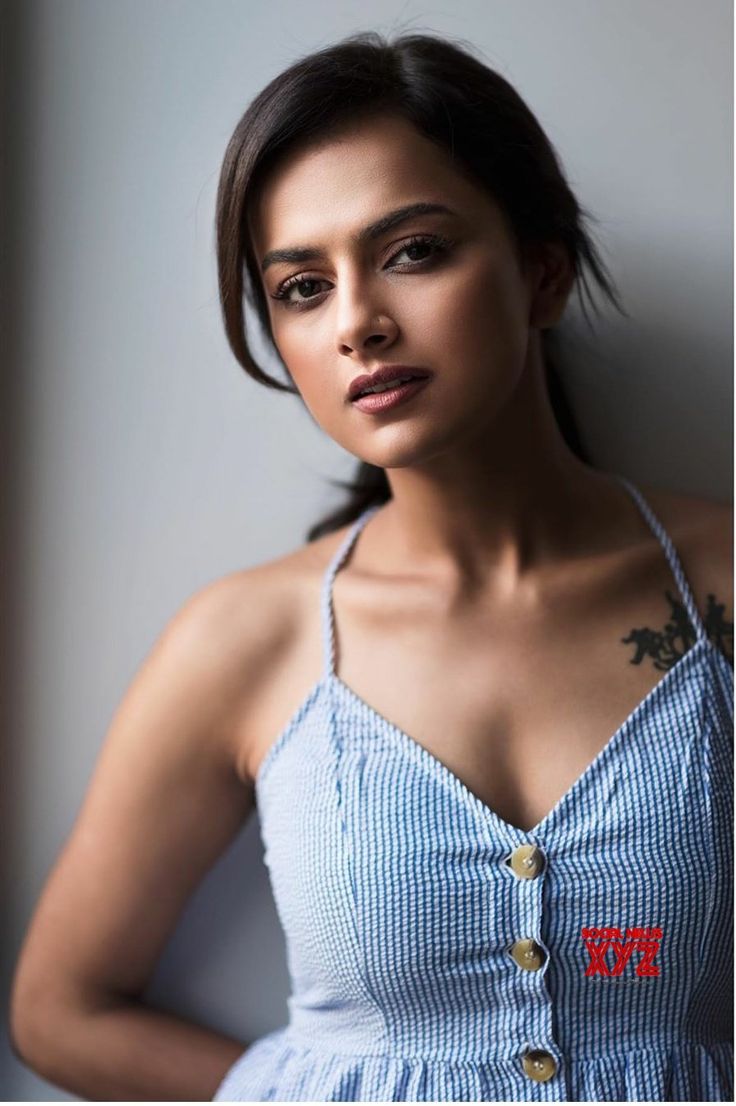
x: 379, y: 403
x: 384, y: 375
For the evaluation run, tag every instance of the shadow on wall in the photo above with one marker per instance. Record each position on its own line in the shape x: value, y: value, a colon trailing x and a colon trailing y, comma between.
x: 230, y: 938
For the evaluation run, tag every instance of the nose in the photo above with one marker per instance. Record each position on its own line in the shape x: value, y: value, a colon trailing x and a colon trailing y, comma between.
x: 362, y: 324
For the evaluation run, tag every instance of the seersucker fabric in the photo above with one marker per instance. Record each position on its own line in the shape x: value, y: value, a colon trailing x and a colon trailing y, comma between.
x: 438, y: 953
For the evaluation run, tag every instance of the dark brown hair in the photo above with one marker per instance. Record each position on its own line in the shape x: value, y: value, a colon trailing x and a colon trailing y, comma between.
x: 455, y: 100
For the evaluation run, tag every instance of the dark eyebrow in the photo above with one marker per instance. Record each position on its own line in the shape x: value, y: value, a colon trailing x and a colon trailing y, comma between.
x: 372, y: 231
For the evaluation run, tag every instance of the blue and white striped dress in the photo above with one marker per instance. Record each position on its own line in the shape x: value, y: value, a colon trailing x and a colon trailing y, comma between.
x: 438, y: 953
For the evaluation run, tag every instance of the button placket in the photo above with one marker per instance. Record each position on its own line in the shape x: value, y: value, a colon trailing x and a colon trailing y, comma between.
x: 528, y: 863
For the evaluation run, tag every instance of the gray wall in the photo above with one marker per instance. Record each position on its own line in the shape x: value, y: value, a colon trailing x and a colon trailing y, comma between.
x: 145, y: 463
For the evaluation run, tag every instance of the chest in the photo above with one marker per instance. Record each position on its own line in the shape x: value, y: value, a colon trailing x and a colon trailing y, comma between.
x: 517, y: 721
x: 516, y: 703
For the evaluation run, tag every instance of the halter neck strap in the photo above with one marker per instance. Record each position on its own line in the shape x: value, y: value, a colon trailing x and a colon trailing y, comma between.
x: 670, y: 553
x: 326, y: 604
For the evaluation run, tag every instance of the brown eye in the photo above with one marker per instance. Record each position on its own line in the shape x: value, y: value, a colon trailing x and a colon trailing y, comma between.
x: 304, y: 288
x: 435, y: 243
x: 413, y: 246
x: 282, y: 292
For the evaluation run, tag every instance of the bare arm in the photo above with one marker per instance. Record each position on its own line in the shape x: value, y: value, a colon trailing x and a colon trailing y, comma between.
x: 163, y: 803
x: 129, y: 1052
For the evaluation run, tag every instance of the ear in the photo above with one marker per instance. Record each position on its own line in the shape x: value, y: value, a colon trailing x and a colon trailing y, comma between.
x: 551, y: 277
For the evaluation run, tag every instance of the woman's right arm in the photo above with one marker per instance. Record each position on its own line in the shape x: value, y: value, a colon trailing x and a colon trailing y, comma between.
x: 164, y: 802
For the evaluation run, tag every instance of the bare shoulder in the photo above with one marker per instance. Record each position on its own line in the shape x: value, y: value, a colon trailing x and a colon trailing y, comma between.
x: 700, y: 527
x: 276, y: 587
x: 702, y: 531
x: 250, y: 612
x: 262, y: 628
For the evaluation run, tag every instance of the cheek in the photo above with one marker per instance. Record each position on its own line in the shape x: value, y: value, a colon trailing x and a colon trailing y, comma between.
x: 307, y: 347
x: 479, y: 337
x: 463, y: 316
x: 302, y: 346
x: 487, y: 312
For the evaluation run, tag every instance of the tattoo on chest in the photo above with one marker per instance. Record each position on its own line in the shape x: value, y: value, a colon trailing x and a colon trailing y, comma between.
x: 665, y: 647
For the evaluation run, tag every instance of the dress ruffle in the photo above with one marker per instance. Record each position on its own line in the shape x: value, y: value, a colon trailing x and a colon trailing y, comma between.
x: 277, y: 1067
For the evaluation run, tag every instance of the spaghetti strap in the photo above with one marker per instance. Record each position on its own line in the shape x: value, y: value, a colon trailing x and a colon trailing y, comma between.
x: 671, y: 555
x: 326, y: 605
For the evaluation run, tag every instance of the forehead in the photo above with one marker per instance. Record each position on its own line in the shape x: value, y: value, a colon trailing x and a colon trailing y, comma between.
x: 338, y: 184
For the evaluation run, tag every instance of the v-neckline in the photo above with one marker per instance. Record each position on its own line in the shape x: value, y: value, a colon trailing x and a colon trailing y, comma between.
x: 487, y: 814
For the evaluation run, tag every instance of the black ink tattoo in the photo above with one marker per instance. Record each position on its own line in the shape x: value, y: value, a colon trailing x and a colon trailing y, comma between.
x: 667, y: 646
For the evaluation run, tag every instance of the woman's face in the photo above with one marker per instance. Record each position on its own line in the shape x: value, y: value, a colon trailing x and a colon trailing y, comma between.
x: 441, y: 291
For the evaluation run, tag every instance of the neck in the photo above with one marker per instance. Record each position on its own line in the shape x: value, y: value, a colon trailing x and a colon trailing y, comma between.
x: 512, y: 499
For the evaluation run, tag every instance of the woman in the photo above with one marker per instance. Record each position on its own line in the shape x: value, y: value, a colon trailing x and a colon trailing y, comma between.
x: 486, y: 709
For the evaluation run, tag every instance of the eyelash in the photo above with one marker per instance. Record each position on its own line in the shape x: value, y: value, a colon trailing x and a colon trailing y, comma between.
x: 439, y: 242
